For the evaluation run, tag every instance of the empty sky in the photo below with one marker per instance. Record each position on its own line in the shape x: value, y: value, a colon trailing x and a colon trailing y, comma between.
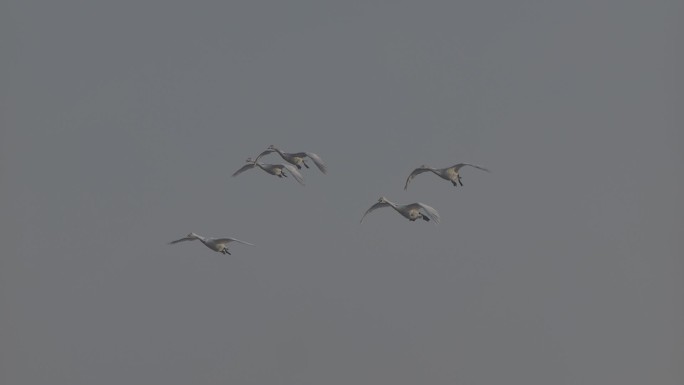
x: 121, y: 122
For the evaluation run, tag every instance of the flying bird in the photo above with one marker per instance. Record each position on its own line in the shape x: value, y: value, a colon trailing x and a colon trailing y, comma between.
x: 411, y: 211
x: 450, y: 173
x: 273, y: 169
x: 297, y: 159
x: 217, y: 244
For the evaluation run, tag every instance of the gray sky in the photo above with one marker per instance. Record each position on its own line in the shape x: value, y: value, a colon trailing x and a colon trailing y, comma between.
x: 122, y: 122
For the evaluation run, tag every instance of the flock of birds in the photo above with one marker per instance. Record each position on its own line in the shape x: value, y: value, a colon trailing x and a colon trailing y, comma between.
x: 295, y: 162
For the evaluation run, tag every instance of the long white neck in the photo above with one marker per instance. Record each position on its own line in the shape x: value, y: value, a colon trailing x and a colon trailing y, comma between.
x: 260, y: 165
x: 254, y: 162
x: 394, y: 205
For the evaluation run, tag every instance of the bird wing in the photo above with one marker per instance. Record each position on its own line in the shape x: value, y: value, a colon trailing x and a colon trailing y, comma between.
x: 429, y: 211
x: 415, y: 172
x: 295, y: 173
x: 182, y: 240
x: 373, y: 208
x: 265, y: 152
x: 318, y: 162
x: 243, y: 169
x: 458, y: 166
x: 228, y: 240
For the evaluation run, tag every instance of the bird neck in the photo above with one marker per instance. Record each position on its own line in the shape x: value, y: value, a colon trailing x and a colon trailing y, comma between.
x: 201, y: 238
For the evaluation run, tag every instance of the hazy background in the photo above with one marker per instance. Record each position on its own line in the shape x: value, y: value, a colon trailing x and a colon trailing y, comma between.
x: 123, y: 120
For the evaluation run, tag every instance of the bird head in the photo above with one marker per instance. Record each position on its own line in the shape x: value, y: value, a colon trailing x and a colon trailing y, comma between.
x: 271, y: 147
x: 382, y: 200
x: 193, y: 235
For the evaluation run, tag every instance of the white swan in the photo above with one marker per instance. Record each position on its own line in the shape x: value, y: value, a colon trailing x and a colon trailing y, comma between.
x: 450, y: 173
x: 297, y: 159
x: 273, y: 169
x: 411, y: 211
x: 217, y: 244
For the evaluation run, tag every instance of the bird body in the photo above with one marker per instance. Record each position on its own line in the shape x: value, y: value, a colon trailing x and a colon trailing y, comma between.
x: 273, y: 169
x: 411, y: 211
x: 449, y: 173
x: 297, y: 159
x: 217, y: 244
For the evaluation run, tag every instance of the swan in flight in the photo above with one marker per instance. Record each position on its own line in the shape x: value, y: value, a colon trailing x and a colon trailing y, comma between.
x: 411, y: 211
x: 273, y: 169
x: 297, y: 159
x: 450, y: 173
x: 217, y: 244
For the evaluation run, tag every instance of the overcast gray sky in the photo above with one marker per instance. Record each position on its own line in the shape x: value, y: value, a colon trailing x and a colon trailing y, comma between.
x: 123, y: 120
